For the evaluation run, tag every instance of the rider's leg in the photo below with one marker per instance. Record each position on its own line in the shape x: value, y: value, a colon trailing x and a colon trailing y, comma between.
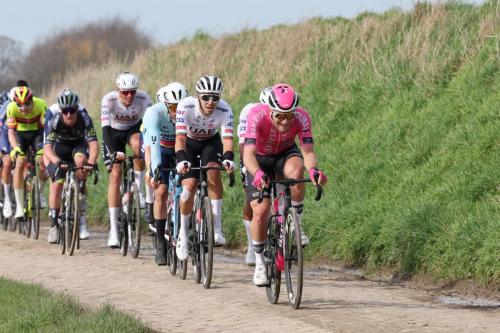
x: 247, y: 222
x: 294, y: 168
x: 7, y: 185
x: 80, y: 159
x: 42, y: 175
x: 56, y: 188
x: 114, y: 204
x: 258, y: 228
x: 215, y: 192
x: 19, y: 186
x: 139, y: 166
x: 160, y: 217
x: 186, y: 206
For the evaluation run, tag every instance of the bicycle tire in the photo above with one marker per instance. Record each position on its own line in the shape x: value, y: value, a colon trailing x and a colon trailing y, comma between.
x: 273, y: 275
x: 26, y: 223
x: 35, y: 210
x: 60, y: 235
x: 171, y: 255
x: 195, y: 246
x: 73, y: 218
x: 3, y: 221
x: 293, y: 254
x: 206, y: 244
x: 134, y: 221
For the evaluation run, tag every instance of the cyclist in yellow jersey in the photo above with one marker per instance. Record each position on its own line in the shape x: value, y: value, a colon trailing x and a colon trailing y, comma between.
x: 25, y: 122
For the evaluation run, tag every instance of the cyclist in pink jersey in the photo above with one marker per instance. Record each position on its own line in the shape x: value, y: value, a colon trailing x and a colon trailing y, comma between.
x: 270, y: 150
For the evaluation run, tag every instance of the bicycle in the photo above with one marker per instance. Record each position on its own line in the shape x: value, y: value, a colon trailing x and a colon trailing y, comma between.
x: 130, y: 212
x: 173, y: 219
x: 201, y: 229
x: 283, y: 247
x: 30, y: 224
x: 69, y: 223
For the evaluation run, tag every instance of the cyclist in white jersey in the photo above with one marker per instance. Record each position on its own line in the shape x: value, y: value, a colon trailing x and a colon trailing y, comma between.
x: 159, y: 142
x: 247, y: 209
x: 121, y: 114
x: 197, y: 133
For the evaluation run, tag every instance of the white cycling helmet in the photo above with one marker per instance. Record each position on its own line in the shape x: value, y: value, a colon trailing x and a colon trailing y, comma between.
x: 127, y: 81
x: 172, y: 93
x: 209, y: 84
x: 264, y: 94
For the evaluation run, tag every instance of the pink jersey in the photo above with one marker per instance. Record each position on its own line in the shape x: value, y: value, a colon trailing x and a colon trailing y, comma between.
x: 261, y: 131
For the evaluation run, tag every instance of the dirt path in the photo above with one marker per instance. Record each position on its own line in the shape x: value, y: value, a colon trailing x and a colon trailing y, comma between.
x: 331, y: 302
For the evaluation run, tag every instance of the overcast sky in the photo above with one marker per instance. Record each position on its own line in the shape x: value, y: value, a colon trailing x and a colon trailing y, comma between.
x: 168, y: 21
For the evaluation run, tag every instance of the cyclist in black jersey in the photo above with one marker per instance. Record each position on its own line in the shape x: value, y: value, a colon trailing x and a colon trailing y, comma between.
x: 71, y: 138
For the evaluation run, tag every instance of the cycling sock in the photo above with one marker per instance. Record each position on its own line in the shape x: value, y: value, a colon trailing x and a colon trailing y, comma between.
x: 258, y: 248
x: 113, y: 218
x: 247, y: 224
x: 139, y: 177
x: 184, y: 224
x: 54, y: 214
x: 149, y: 195
x: 216, y: 211
x: 18, y: 194
x: 299, y: 207
x: 6, y: 190
x: 160, y: 226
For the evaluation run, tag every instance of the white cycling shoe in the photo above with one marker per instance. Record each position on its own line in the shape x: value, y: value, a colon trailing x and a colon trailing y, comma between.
x: 304, y: 238
x: 181, y: 249
x: 260, y: 276
x: 7, y: 210
x: 19, y: 213
x: 113, y: 240
x: 84, y: 233
x: 53, y: 233
x: 250, y: 257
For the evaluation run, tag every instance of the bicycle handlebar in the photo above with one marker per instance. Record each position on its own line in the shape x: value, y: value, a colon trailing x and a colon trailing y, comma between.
x: 287, y: 182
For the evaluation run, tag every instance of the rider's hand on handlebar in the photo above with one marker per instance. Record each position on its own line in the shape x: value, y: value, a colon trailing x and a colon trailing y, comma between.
x: 119, y: 156
x: 63, y: 165
x: 183, y: 167
x: 229, y: 165
x: 17, y: 151
x: 317, y: 176
x: 260, y: 180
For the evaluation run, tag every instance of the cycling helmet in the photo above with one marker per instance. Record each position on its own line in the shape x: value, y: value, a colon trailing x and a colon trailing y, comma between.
x: 4, y: 97
x: 282, y: 98
x: 209, y: 84
x: 172, y: 93
x: 264, y: 94
x: 67, y: 99
x: 22, y: 95
x: 127, y: 81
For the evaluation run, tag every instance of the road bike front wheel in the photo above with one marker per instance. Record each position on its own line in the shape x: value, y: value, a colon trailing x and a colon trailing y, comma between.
x: 134, y: 220
x: 171, y: 255
x: 27, y: 222
x: 206, y: 238
x: 72, y: 220
x: 293, y: 254
x: 34, y: 209
x: 273, y: 274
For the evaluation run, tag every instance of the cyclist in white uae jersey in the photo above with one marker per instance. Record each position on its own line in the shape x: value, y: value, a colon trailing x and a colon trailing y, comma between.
x: 121, y: 114
x: 197, y: 133
x: 247, y: 209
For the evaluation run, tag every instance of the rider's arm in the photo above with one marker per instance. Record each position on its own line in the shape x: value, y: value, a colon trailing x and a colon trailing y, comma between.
x: 151, y: 135
x: 48, y: 150
x: 90, y: 136
x: 310, y: 160
x: 249, y: 157
x: 14, y: 142
x: 12, y: 126
x: 181, y: 129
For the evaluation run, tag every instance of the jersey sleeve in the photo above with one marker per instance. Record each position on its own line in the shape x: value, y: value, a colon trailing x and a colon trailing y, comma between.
x: 51, y: 136
x: 242, y: 124
x: 181, y: 120
x: 226, y: 127
x: 252, y: 124
x: 11, y: 117
x: 151, y: 123
x: 90, y: 133
x: 305, y: 134
x: 105, y: 112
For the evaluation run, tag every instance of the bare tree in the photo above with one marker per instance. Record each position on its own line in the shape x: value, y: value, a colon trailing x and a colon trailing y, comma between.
x: 10, y: 58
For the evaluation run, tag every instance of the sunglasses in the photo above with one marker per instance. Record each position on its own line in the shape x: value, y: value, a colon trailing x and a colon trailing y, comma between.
x: 206, y: 98
x: 24, y: 106
x: 283, y: 116
x: 67, y: 111
x: 128, y: 92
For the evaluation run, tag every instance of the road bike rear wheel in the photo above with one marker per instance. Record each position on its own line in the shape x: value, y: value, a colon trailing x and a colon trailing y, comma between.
x: 72, y: 226
x: 292, y: 249
x: 34, y: 209
x: 273, y: 274
x: 134, y: 220
x: 206, y: 237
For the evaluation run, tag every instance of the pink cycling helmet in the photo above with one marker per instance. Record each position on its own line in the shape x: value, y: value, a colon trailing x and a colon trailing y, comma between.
x: 282, y: 98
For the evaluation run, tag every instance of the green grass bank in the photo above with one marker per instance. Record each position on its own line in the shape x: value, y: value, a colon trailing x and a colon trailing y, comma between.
x: 30, y: 308
x: 406, y: 118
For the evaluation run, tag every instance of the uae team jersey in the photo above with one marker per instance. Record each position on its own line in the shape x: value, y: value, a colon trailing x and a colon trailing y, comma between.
x: 195, y: 125
x: 260, y: 131
x: 120, y: 117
